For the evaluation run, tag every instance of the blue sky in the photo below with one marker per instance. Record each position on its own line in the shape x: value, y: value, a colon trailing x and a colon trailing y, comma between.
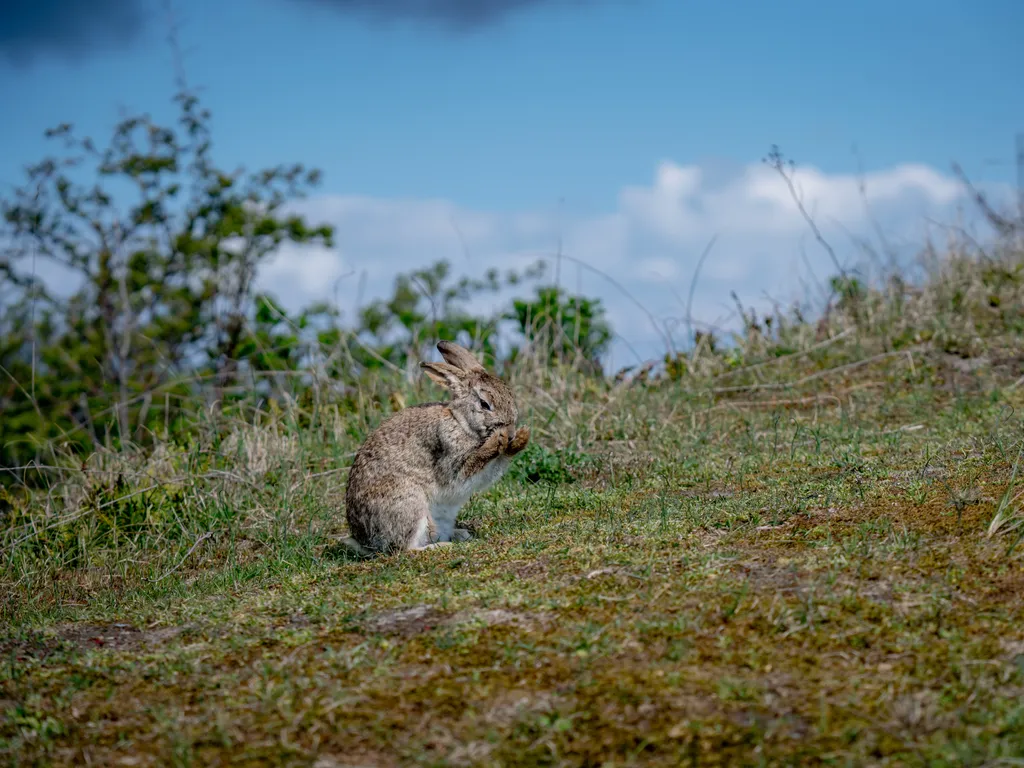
x: 577, y: 102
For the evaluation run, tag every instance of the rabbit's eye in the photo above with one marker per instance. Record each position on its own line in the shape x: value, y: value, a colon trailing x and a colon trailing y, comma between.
x: 485, y: 404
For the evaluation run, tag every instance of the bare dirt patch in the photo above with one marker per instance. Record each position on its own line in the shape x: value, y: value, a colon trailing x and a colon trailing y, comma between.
x: 405, y: 621
x: 528, y: 569
x: 771, y: 576
x: 494, y: 617
x: 365, y: 760
x: 415, y: 619
x: 86, y: 637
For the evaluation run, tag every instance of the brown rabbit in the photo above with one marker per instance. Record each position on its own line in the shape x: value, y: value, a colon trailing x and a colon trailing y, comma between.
x: 415, y: 471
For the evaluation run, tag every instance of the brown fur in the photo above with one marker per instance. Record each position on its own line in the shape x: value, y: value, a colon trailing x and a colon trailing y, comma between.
x: 418, y: 468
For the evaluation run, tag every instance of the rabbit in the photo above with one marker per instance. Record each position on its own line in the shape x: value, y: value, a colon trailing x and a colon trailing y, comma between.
x: 414, y: 473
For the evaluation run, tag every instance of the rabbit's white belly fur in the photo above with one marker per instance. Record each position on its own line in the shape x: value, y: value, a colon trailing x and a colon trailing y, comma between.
x: 445, y: 506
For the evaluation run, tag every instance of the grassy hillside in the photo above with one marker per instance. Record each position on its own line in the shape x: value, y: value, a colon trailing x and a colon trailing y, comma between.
x: 804, y: 549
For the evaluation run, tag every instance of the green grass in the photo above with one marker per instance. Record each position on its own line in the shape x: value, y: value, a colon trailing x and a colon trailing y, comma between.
x: 792, y: 561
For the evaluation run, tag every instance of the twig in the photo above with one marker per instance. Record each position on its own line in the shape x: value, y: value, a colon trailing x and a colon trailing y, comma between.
x: 813, y: 376
x: 1001, y: 224
x: 325, y: 473
x: 654, y: 323
x: 693, y: 285
x: 776, y: 161
x: 188, y: 554
x: 790, y: 356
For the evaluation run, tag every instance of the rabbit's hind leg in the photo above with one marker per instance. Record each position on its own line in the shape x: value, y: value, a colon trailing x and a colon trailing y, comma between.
x: 425, y: 535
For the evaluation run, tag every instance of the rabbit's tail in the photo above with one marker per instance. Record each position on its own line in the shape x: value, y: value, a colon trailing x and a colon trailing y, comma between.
x: 354, y: 548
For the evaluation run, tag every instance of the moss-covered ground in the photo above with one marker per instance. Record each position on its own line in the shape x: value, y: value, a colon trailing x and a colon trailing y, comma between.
x: 764, y: 575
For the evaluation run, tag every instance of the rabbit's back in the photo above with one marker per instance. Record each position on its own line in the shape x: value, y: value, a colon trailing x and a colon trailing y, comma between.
x: 406, y: 447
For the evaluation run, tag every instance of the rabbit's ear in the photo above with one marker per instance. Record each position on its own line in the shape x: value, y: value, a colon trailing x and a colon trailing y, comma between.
x: 447, y: 376
x: 459, y: 356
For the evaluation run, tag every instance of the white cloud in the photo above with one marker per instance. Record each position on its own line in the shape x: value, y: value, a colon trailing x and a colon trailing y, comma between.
x: 296, y: 276
x: 649, y: 244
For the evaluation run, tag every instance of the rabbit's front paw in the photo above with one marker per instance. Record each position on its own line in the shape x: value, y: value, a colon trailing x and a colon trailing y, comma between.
x: 501, y: 440
x: 517, y: 443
